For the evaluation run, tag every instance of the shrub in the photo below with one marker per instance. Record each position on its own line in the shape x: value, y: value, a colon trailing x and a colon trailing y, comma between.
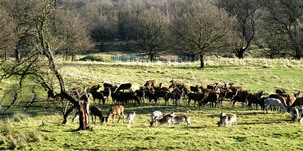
x: 101, y: 58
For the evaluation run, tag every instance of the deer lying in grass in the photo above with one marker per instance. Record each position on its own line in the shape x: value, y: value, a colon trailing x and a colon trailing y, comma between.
x: 131, y: 118
x: 227, y: 119
x: 167, y: 119
x: 115, y: 110
x: 154, y: 116
x: 183, y: 118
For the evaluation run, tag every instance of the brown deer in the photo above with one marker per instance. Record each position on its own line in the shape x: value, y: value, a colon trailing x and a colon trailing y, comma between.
x: 154, y: 116
x: 115, y: 110
x: 227, y: 119
x: 183, y: 118
x: 94, y: 112
x: 124, y: 86
x: 167, y: 119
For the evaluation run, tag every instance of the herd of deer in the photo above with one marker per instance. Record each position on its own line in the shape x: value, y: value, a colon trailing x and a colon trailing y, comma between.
x: 212, y: 95
x: 118, y: 110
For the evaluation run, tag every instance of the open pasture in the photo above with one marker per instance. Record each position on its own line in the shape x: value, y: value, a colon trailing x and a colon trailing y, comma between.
x: 40, y: 128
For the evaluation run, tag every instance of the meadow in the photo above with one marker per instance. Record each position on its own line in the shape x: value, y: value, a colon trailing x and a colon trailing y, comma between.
x: 40, y: 128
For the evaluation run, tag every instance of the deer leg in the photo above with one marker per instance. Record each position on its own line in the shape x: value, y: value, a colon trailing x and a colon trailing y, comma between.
x: 234, y: 103
x: 119, y: 119
x: 113, y: 118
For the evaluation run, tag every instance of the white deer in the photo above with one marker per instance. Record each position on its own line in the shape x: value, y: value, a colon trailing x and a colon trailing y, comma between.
x: 131, y: 118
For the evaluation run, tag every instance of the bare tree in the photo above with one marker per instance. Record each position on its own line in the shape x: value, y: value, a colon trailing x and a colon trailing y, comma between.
x: 201, y: 28
x: 38, y: 63
x: 282, y: 21
x: 70, y: 27
x: 149, y: 28
x: 20, y: 11
x: 7, y: 36
x: 246, y: 13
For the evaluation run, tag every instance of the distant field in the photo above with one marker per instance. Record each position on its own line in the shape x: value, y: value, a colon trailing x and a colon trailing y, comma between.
x: 40, y: 129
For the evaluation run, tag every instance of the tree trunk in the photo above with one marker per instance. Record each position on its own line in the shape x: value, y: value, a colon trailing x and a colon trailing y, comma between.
x: 17, y: 55
x: 84, y: 116
x: 73, y: 57
x: 65, y: 56
x: 240, y: 53
x: 201, y: 61
x: 48, y: 53
x: 5, y: 55
x: 66, y: 114
x: 151, y: 57
x: 297, y: 48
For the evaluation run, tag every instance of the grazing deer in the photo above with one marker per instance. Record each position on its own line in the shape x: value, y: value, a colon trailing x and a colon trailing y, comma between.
x: 154, y: 116
x: 131, y: 118
x: 115, y: 110
x: 183, y: 118
x: 167, y: 119
x: 94, y: 112
x: 229, y: 119
x: 274, y: 102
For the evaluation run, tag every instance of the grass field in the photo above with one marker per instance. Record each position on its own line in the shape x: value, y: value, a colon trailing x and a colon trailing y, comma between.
x: 41, y: 129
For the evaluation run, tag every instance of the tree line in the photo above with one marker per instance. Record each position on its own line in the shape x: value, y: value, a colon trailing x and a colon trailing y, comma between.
x: 152, y: 27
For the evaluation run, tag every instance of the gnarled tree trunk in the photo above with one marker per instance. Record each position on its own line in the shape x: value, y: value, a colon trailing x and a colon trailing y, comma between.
x: 84, y: 115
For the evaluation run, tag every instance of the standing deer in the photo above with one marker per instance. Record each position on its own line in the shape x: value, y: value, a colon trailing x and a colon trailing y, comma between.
x: 167, y: 119
x: 115, y: 110
x: 227, y: 119
x: 131, y: 118
x: 94, y: 111
x: 154, y: 116
x: 183, y: 118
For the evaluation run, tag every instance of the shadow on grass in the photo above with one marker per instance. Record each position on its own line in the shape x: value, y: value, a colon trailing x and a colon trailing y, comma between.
x: 35, y: 110
x: 256, y: 122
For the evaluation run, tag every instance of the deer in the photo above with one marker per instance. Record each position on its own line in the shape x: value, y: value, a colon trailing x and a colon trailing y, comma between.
x: 183, y: 118
x: 167, y: 119
x: 295, y: 116
x: 154, y: 116
x: 115, y: 110
x: 94, y: 112
x: 124, y: 86
x: 227, y: 119
x: 131, y: 118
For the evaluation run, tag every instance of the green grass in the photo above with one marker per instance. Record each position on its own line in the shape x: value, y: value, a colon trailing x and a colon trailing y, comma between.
x: 41, y: 129
x: 252, y: 74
